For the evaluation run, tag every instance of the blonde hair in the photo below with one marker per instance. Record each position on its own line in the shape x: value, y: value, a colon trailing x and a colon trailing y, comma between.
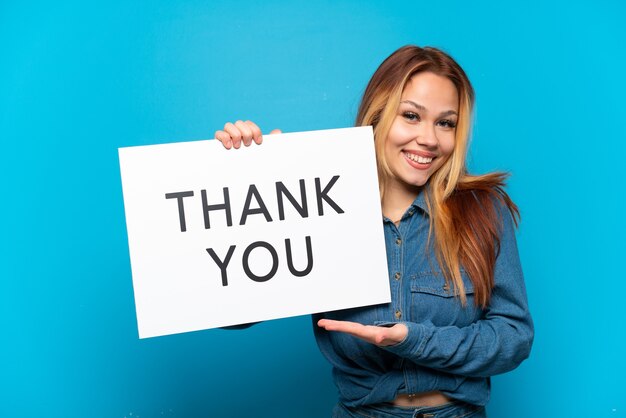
x: 465, y: 219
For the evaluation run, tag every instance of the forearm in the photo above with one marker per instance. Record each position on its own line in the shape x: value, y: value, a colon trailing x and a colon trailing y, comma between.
x: 485, y: 348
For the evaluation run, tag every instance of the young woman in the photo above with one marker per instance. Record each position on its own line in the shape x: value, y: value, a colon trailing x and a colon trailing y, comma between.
x: 459, y: 312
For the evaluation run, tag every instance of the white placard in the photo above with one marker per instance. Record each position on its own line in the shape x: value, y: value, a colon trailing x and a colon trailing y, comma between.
x: 223, y: 237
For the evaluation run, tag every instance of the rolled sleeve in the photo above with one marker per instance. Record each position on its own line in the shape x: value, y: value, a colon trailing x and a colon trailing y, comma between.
x: 496, y: 343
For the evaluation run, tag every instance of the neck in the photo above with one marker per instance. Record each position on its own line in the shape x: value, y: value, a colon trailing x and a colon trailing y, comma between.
x: 397, y: 198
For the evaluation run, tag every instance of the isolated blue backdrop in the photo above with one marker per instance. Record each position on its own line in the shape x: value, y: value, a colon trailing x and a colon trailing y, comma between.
x: 80, y: 79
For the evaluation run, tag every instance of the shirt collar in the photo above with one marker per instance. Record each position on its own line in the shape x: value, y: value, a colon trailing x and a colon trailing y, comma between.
x: 420, y: 202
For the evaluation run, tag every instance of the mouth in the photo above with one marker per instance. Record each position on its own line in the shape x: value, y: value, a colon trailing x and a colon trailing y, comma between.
x: 418, y: 161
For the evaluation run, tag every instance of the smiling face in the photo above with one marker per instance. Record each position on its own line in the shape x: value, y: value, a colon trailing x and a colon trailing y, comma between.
x: 422, y: 134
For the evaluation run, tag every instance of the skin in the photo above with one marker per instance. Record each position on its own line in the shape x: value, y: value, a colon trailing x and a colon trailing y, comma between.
x: 233, y: 135
x: 424, y: 126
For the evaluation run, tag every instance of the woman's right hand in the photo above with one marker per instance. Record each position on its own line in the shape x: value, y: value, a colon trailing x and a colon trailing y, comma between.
x: 234, y: 134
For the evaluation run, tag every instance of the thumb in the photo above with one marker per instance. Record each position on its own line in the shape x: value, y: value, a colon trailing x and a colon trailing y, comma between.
x: 276, y: 131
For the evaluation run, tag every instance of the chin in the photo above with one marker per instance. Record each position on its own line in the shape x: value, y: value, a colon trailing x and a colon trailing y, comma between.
x: 415, y: 182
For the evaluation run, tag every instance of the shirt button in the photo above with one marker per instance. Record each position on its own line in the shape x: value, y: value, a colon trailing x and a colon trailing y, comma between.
x: 398, y: 241
x: 446, y: 287
x: 397, y: 276
x: 398, y: 314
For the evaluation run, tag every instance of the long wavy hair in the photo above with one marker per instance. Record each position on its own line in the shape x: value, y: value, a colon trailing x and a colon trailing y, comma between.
x: 464, y: 208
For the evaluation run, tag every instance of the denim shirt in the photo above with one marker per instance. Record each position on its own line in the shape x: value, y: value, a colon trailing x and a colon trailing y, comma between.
x: 449, y: 347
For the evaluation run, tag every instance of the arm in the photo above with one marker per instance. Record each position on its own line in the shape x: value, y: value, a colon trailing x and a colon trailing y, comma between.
x: 496, y: 343
x: 231, y: 136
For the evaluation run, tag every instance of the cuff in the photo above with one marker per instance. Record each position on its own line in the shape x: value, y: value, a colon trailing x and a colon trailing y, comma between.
x: 413, y: 344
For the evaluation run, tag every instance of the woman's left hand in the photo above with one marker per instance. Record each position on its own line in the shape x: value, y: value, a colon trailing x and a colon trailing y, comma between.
x: 381, y: 336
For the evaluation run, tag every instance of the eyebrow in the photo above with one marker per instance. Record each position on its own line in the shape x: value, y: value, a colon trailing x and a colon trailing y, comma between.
x: 420, y: 107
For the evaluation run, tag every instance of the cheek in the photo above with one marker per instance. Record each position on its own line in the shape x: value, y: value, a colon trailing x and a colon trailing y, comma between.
x: 394, y: 137
x: 400, y: 133
x: 446, y: 144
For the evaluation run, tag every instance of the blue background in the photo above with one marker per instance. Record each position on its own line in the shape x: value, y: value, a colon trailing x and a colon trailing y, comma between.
x: 80, y: 79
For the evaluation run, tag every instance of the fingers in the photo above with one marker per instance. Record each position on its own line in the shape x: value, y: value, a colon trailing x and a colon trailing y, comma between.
x: 332, y: 325
x: 246, y: 132
x: 224, y: 138
x: 234, y: 134
x: 352, y: 328
x: 381, y: 336
x: 257, y: 137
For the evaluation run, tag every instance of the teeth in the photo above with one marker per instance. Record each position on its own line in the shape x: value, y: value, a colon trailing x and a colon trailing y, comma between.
x: 418, y: 158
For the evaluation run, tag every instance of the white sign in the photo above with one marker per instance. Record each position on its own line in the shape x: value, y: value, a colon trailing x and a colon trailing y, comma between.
x: 223, y: 237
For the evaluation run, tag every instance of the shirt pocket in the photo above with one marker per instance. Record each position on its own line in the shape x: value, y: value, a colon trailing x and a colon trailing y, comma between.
x: 433, y: 300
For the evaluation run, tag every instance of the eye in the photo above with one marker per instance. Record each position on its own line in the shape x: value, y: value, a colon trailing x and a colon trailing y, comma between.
x: 411, y: 116
x: 447, y: 123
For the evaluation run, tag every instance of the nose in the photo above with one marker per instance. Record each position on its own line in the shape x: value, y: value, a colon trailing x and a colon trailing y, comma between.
x: 426, y: 135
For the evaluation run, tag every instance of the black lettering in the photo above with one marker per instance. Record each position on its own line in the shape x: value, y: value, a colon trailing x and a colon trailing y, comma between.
x: 207, y: 208
x: 222, y: 264
x: 309, y: 257
x: 181, y: 207
x: 323, y: 194
x: 252, y: 191
x: 246, y: 266
x: 282, y: 190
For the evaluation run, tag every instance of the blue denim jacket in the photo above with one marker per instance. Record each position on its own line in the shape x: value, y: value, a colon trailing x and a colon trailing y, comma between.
x: 450, y: 348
